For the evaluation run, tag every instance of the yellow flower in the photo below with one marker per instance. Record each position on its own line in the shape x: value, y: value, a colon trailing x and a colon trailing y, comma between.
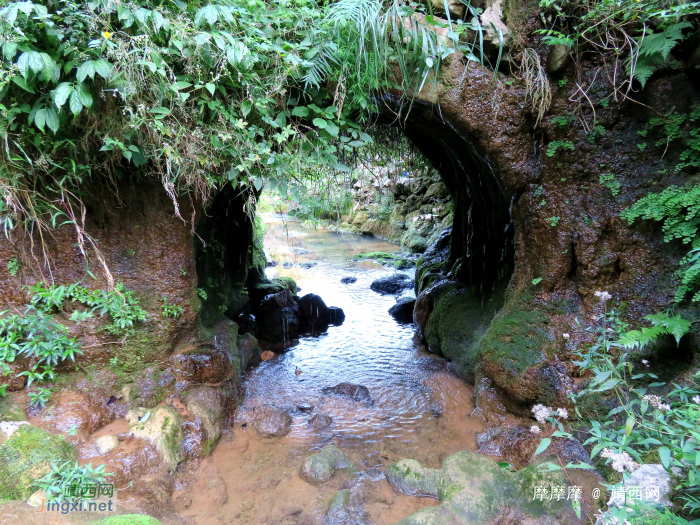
x: 107, y: 34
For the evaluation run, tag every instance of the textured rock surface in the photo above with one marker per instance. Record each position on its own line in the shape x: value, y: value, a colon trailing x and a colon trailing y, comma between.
x: 271, y: 421
x: 357, y: 393
x: 161, y: 429
x: 392, y: 284
x: 321, y: 467
x: 26, y: 457
x: 402, y: 311
x: 473, y: 489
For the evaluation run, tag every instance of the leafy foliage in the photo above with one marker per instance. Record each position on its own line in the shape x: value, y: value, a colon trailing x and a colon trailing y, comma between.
x: 557, y: 145
x: 641, y: 423
x: 61, y: 477
x: 678, y: 209
x: 119, y: 303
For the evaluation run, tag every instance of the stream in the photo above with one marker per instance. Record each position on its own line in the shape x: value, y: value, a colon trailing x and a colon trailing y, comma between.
x: 420, y: 409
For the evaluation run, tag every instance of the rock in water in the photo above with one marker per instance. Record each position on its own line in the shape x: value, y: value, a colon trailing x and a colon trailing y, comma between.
x: 336, y: 315
x: 320, y: 421
x: 271, y: 421
x: 402, y: 311
x: 279, y: 317
x: 392, y: 284
x: 338, y: 512
x: 322, y: 466
x: 348, y: 280
x: 357, y: 393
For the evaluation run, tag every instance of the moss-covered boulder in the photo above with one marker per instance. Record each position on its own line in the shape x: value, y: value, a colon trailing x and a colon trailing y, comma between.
x: 473, y: 489
x: 322, y: 466
x: 206, y: 404
x: 26, y: 456
x: 393, y: 260
x: 129, y: 519
x: 160, y: 426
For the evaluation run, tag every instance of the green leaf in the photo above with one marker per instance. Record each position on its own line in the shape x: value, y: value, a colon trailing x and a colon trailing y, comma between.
x: 665, y: 455
x: 211, y: 88
x: 160, y: 111
x: 300, y: 111
x: 543, y: 446
x: 320, y: 123
x: 75, y: 103
x: 103, y: 68
x: 332, y: 129
x: 61, y: 94
x: 40, y: 119
x: 23, y: 84
x: 629, y: 425
x: 281, y: 120
x: 84, y: 94
x: 52, y: 120
x: 246, y: 106
x: 86, y: 69
x: 182, y: 85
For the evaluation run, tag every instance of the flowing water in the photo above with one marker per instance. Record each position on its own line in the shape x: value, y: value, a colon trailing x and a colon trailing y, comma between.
x: 420, y: 409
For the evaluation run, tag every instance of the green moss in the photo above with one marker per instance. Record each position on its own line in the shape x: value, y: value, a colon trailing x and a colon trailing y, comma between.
x: 387, y: 259
x: 10, y: 411
x: 517, y: 336
x: 129, y: 519
x: 26, y: 457
x: 289, y: 283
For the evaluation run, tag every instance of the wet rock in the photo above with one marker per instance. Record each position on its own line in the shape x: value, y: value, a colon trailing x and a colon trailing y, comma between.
x: 271, y: 264
x: 648, y: 477
x: 267, y: 355
x: 322, y: 466
x: 320, y: 421
x: 308, y: 264
x: 314, y: 311
x: 336, y: 315
x: 271, y: 421
x: 558, y: 58
x: 437, y: 190
x: 206, y: 405
x: 338, y: 512
x: 161, y: 427
x: 305, y: 408
x: 434, y: 264
x: 357, y: 393
x: 299, y: 251
x: 248, y: 350
x: 133, y: 458
x: 348, y: 280
x: 27, y: 456
x: 106, y: 444
x: 279, y: 317
x: 74, y: 411
x: 402, y: 311
x: 474, y: 489
x: 392, y: 284
x: 149, y: 495
x: 202, y: 365
x: 287, y: 264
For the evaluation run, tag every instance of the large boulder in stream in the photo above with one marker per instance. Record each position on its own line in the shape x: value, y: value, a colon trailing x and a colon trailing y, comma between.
x: 279, y: 316
x: 402, y: 311
x: 316, y: 315
x: 392, y: 284
x: 474, y: 489
x: 357, y: 393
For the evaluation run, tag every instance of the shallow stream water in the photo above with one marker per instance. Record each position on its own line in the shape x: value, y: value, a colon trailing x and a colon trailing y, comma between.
x: 420, y: 409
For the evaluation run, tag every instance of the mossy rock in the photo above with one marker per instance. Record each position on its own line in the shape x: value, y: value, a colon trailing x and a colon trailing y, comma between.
x: 473, y: 489
x: 162, y: 429
x: 26, y: 456
x: 129, y: 519
x: 276, y: 285
x: 322, y: 466
x: 387, y: 259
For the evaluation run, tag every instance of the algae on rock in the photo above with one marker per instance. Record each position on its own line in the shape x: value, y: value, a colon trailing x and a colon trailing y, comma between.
x: 27, y: 456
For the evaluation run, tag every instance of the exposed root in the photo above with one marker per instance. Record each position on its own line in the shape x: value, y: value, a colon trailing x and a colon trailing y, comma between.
x: 537, y: 87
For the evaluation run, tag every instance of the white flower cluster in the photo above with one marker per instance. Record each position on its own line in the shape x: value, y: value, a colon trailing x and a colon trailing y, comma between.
x: 542, y: 413
x: 535, y: 429
x: 696, y: 400
x: 603, y: 296
x: 655, y: 401
x: 620, y: 461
